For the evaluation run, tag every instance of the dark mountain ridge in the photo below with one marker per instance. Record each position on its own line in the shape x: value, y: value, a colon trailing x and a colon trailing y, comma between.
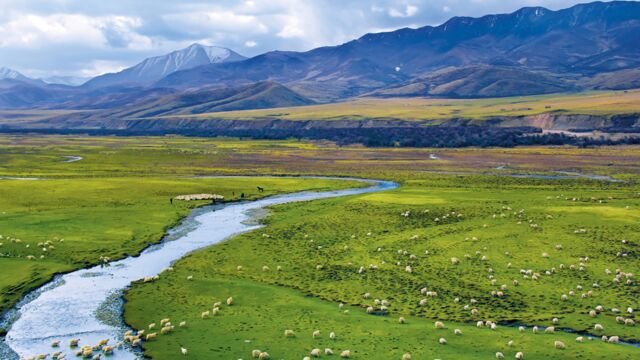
x: 583, y: 40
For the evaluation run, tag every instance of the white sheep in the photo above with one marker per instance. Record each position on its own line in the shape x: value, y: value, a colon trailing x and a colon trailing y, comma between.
x: 442, y: 341
x: 559, y: 345
x: 580, y: 339
x: 457, y: 332
x: 315, y: 353
x: 519, y: 355
x: 439, y: 325
x: 345, y: 354
x: 406, y: 356
x: 499, y: 355
x: 315, y: 334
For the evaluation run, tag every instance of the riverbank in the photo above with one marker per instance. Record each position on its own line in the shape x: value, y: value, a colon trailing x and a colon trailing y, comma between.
x: 44, y: 318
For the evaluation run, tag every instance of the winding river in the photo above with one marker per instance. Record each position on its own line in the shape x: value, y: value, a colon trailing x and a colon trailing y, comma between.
x: 87, y: 303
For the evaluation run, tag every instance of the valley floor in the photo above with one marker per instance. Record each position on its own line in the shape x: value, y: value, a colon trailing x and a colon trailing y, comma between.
x: 458, y: 203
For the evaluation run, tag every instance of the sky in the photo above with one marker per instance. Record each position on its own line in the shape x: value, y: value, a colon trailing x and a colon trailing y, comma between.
x: 42, y: 38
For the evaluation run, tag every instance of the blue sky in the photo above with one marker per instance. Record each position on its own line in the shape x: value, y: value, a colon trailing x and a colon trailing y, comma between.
x: 90, y: 37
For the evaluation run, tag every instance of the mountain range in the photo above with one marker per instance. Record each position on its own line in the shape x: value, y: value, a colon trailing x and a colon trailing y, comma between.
x: 530, y: 51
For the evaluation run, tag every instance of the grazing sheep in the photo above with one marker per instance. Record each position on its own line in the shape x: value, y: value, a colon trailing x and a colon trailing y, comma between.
x: 559, y: 345
x: 480, y: 324
x: 255, y: 354
x: 306, y: 358
x: 555, y: 320
x: 230, y: 301
x: 150, y: 336
x: 457, y: 332
x: 401, y: 320
x: 370, y: 310
x: 332, y: 335
x: 614, y: 339
x: 499, y: 355
x: 182, y: 324
x: 152, y: 326
x: 345, y: 354
x: 107, y: 350
x: 521, y: 328
x: 406, y: 356
x: 315, y: 334
x: 205, y: 314
x: 74, y: 342
x: 183, y: 350
x: 519, y: 355
x: 315, y: 353
x: 289, y: 333
x: 535, y: 329
x: 442, y: 341
x: 598, y: 327
x: 328, y: 351
x: 629, y: 322
x: 165, y: 330
x: 550, y: 330
x: 439, y: 325
x: 580, y: 339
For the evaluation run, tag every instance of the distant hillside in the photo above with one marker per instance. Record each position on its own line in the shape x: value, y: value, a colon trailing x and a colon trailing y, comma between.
x: 582, y: 41
x: 156, y: 102
x: 479, y: 81
x: 155, y: 68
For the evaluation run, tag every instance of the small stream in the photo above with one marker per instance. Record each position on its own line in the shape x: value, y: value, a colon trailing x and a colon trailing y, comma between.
x: 87, y: 303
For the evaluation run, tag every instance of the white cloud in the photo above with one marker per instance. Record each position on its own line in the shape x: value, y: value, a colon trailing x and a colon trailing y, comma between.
x: 409, y: 11
x: 33, y: 31
x: 99, y: 67
x: 250, y: 43
x: 291, y: 29
x: 228, y: 21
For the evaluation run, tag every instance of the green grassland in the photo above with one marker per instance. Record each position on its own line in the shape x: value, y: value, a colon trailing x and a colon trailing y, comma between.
x: 321, y: 246
x: 59, y: 225
x: 588, y: 103
x: 43, y: 156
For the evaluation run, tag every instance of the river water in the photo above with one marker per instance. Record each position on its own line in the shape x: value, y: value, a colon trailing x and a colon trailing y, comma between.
x: 87, y: 303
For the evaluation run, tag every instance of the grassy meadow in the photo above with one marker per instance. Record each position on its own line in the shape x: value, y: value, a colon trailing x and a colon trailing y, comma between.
x: 589, y: 103
x: 566, y: 233
x: 115, y: 201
